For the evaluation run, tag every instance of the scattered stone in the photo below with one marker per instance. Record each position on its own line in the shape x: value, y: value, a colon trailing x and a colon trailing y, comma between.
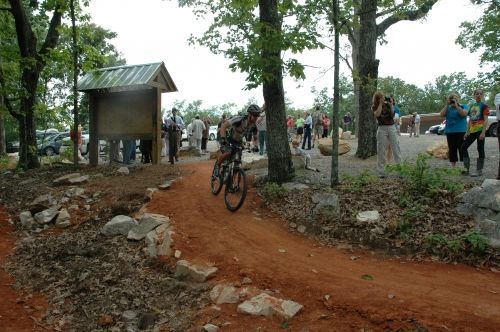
x: 166, y: 185
x: 246, y: 281
x: 224, y: 293
x: 119, y: 225
x: 325, y: 146
x: 368, y: 217
x: 27, y: 220
x: 46, y: 216
x: 210, y: 328
x: 327, y: 205
x: 129, y: 315
x: 65, y: 179
x: 267, y: 305
x: 150, y: 192
x: 293, y: 225
x: 159, y: 241
x: 391, y: 296
x: 75, y: 191
x: 282, y: 251
x: 301, y: 229
x: 289, y: 186
x: 490, y: 182
x: 177, y: 254
x: 188, y: 271
x: 63, y: 219
x: 147, y: 223
x: 123, y: 170
x: 45, y: 200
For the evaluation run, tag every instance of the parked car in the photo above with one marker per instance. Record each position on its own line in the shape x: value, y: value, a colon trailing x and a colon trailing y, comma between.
x: 438, y: 129
x: 491, y: 131
x: 212, y: 133
x: 13, y: 147
x: 51, y: 145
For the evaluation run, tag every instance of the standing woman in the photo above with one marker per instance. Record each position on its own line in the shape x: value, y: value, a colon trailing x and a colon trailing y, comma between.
x: 456, y: 125
x: 386, y: 131
x: 476, y: 130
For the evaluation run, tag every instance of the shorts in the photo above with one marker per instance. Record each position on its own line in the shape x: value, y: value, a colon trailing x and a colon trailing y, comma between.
x: 318, y: 130
x: 300, y: 130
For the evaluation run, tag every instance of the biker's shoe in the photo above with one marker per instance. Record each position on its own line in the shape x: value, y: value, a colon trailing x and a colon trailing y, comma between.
x: 216, y: 171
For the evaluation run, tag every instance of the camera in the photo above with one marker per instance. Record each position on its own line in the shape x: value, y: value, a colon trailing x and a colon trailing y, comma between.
x: 388, y: 99
x: 452, y: 101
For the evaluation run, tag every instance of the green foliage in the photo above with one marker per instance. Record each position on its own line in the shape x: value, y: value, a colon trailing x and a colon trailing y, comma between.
x: 420, y: 179
x: 434, y: 243
x: 404, y: 228
x: 273, y: 191
x: 357, y: 183
x: 475, y: 242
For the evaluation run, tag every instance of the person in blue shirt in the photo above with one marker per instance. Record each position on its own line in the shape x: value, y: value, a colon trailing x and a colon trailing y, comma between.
x: 456, y: 126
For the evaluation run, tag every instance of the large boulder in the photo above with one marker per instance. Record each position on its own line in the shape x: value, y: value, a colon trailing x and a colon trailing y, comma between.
x: 438, y: 150
x: 325, y: 146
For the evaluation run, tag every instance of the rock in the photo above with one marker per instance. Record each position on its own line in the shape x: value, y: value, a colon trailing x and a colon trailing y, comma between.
x: 325, y: 146
x: 75, y: 191
x: 46, y: 216
x: 63, y: 219
x: 210, y: 328
x: 246, y: 281
x: 301, y: 229
x: 27, y: 220
x: 147, y: 223
x: 166, y: 185
x: 159, y: 241
x: 266, y: 305
x: 490, y: 182
x: 346, y: 135
x: 438, y: 150
x: 189, y: 151
x: 224, y: 293
x: 44, y: 200
x: 327, y: 205
x: 177, y: 254
x: 78, y: 180
x: 289, y: 186
x: 65, y: 179
x: 150, y: 192
x: 489, y: 228
x: 123, y: 170
x: 254, y: 161
x: 298, y: 162
x: 188, y: 271
x: 119, y: 225
x: 368, y: 217
x: 129, y: 315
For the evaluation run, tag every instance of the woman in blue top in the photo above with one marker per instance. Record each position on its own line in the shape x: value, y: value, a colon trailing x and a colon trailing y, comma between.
x: 456, y: 126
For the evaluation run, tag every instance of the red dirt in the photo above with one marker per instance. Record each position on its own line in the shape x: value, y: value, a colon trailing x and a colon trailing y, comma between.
x: 402, y: 295
x: 19, y: 311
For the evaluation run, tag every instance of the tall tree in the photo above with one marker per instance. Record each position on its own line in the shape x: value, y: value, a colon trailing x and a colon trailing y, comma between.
x: 32, y: 61
x: 255, y: 45
x: 483, y: 35
x: 363, y: 32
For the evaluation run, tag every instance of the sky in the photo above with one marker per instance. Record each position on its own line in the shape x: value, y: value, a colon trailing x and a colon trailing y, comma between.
x: 155, y: 30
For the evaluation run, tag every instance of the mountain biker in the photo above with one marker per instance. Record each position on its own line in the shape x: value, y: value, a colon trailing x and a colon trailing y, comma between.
x: 238, y: 125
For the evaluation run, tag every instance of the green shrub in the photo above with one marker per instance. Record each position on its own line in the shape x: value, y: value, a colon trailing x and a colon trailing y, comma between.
x: 273, y: 191
x: 435, y: 243
x: 404, y: 228
x: 475, y: 242
x: 357, y: 183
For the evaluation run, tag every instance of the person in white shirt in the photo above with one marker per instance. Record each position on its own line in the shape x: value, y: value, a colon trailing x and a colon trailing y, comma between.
x: 417, y: 124
x: 307, y: 131
x: 197, y: 127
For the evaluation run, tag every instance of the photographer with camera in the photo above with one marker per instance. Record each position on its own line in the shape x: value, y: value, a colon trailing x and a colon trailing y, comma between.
x: 386, y: 132
x: 456, y: 125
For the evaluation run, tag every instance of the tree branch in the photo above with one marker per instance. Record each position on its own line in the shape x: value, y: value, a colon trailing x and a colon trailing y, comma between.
x: 410, y: 15
x: 390, y: 10
x: 53, y: 33
x: 6, y: 9
x: 25, y: 38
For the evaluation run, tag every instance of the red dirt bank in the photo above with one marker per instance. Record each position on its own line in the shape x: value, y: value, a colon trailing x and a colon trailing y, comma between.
x: 402, y: 294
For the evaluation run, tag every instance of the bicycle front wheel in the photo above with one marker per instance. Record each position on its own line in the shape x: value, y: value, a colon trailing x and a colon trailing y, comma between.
x: 216, y: 181
x: 236, y: 190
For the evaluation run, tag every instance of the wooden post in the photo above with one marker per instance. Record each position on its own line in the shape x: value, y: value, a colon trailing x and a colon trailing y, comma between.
x: 93, y: 134
x: 156, y: 117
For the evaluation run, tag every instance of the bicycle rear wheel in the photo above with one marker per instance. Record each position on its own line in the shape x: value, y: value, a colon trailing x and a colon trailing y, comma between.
x: 216, y: 181
x: 236, y: 190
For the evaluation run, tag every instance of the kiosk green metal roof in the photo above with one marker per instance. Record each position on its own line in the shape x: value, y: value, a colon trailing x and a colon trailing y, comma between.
x: 127, y: 78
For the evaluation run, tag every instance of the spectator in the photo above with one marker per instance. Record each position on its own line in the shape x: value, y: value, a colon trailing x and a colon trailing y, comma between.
x: 78, y: 139
x: 307, y: 131
x: 300, y: 152
x: 146, y: 148
x: 476, y: 131
x: 417, y: 124
x: 411, y: 125
x: 197, y: 127
x: 347, y: 121
x: 222, y: 120
x: 456, y: 125
x: 397, y: 116
x: 174, y: 124
x: 326, y: 126
x: 300, y: 128
x: 386, y: 132
x: 290, y: 127
x: 204, y: 139
x: 317, y: 125
x: 189, y: 133
x: 261, y: 127
x: 497, y: 106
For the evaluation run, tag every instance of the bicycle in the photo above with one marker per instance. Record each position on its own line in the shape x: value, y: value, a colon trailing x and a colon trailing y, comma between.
x: 233, y: 176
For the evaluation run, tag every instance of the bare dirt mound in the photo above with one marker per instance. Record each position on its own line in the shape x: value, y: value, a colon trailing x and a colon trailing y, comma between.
x: 339, y: 290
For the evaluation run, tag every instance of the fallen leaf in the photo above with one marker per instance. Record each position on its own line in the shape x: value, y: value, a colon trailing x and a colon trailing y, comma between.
x: 367, y: 277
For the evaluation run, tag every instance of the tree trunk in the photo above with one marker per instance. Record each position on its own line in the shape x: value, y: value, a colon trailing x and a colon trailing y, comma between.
x: 368, y: 74
x: 280, y: 163
x: 334, y: 178
x: 3, y: 144
x: 28, y: 154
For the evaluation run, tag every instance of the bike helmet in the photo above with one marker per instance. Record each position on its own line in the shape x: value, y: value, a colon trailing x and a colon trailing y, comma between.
x: 254, y: 109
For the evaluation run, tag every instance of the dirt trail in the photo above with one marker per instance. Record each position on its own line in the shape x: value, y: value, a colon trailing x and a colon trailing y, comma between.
x: 402, y: 294
x: 18, y: 311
